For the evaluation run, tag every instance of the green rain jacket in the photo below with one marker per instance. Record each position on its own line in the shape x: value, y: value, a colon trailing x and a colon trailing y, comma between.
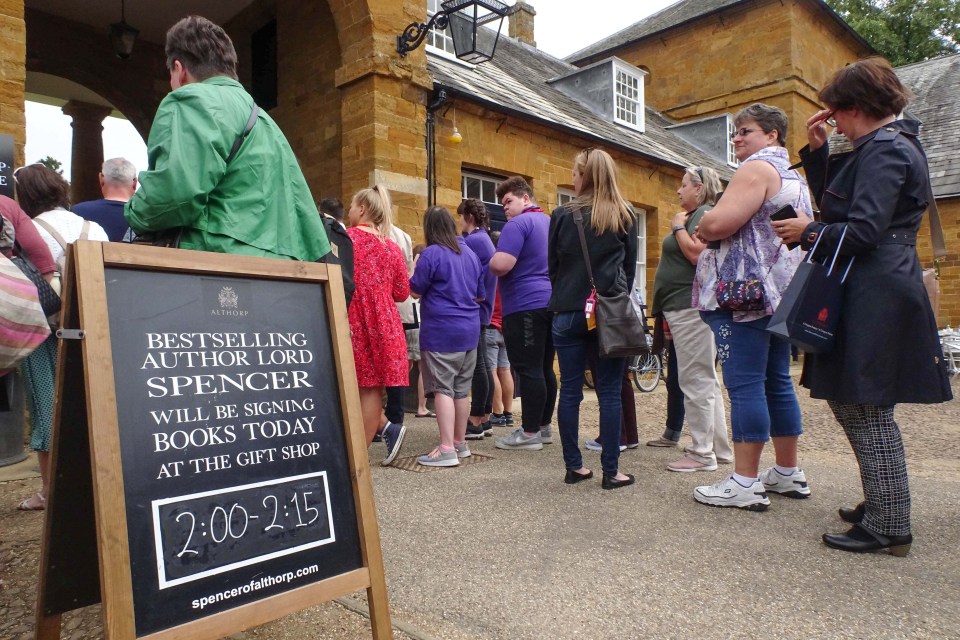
x: 259, y: 205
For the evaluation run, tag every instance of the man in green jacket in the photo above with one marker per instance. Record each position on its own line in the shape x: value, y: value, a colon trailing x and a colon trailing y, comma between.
x: 255, y: 203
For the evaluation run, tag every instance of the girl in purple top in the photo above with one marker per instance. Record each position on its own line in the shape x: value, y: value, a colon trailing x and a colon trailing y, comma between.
x: 473, y: 226
x: 447, y: 280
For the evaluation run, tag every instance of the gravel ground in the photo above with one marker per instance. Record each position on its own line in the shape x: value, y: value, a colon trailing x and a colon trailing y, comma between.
x: 505, y: 550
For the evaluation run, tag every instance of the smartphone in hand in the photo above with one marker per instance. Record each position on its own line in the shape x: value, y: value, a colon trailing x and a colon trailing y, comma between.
x: 785, y: 213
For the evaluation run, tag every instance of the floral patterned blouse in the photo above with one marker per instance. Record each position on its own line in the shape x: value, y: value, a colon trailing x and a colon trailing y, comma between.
x: 754, y: 250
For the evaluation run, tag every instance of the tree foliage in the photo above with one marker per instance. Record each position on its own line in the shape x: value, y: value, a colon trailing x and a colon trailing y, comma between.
x: 52, y: 163
x: 904, y: 31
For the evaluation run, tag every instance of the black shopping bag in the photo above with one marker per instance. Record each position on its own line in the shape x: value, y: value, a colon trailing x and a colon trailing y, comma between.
x: 809, y: 311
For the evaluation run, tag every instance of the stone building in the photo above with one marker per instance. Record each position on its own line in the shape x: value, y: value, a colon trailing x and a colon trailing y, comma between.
x: 657, y: 95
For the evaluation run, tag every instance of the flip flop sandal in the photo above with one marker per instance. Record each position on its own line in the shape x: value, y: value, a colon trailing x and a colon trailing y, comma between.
x: 428, y: 414
x: 39, y: 505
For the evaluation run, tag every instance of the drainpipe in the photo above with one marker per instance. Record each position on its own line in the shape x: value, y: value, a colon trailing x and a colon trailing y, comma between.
x: 435, y: 104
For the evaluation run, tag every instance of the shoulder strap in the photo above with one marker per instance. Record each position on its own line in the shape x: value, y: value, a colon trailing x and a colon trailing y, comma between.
x: 53, y: 232
x: 936, y: 229
x: 252, y: 120
x: 578, y: 218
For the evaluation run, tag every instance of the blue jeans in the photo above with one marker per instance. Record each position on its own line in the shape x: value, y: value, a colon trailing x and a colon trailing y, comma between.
x: 756, y: 373
x: 570, y: 338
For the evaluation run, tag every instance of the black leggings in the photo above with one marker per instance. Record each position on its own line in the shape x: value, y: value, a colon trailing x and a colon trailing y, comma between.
x: 529, y: 340
x: 481, y: 392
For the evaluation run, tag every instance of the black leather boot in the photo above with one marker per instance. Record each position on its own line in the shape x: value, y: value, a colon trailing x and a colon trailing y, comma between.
x: 853, y: 516
x: 861, y: 540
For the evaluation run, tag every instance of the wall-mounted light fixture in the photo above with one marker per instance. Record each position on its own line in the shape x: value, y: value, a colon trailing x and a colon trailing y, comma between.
x: 455, y: 136
x: 122, y: 35
x: 464, y: 19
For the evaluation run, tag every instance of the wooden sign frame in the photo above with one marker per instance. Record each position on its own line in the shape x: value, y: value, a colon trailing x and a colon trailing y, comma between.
x: 85, y: 554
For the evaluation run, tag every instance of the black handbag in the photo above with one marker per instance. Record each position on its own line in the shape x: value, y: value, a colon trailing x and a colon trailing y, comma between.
x: 809, y: 311
x: 620, y: 328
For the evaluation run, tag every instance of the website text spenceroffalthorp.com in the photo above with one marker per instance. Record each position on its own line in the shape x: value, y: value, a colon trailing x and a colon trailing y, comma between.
x: 254, y: 585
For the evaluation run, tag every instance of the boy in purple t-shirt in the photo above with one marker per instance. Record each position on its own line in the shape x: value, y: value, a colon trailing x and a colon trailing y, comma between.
x: 521, y: 264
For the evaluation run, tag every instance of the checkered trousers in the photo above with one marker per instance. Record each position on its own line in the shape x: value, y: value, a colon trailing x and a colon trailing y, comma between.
x: 875, y: 439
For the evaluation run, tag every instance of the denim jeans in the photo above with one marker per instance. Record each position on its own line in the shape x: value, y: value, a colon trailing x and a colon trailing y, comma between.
x: 675, y: 412
x: 571, y: 338
x: 481, y: 390
x: 756, y: 373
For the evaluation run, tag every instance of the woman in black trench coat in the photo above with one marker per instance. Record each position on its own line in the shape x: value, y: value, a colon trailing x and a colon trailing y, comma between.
x: 887, y: 350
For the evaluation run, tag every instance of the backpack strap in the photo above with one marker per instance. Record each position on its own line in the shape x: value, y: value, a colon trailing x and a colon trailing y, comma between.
x: 252, y: 120
x: 53, y: 232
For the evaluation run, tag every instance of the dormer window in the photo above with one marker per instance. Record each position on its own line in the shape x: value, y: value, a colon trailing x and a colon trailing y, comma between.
x: 731, y: 150
x: 611, y: 88
x: 628, y: 98
x: 439, y: 39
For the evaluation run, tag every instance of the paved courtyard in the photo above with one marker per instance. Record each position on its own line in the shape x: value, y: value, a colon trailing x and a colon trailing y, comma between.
x: 505, y: 550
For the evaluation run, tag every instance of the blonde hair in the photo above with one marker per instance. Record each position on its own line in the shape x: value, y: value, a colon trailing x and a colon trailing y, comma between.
x: 376, y: 200
x: 711, y: 184
x: 599, y: 191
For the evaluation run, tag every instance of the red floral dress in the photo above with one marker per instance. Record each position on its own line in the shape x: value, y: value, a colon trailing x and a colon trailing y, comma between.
x: 379, y: 346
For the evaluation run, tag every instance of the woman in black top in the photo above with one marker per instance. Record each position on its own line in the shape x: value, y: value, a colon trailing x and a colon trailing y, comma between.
x: 886, y: 349
x: 609, y: 225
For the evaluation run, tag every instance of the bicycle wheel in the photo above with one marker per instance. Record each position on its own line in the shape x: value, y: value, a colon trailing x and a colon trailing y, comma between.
x: 646, y: 376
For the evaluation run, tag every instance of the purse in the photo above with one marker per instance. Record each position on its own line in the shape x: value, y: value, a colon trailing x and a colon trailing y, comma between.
x: 48, y: 297
x: 620, y: 328
x: 746, y: 294
x: 809, y: 311
x: 23, y: 324
x: 170, y: 238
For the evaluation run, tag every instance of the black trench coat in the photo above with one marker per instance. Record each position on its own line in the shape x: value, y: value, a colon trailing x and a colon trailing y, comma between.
x: 887, y: 350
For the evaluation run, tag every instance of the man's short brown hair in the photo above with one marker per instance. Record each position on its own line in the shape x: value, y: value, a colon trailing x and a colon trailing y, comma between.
x: 202, y: 47
x: 515, y: 185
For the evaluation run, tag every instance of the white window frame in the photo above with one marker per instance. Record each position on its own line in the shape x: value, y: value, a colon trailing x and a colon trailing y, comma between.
x: 564, y: 196
x: 640, y: 279
x: 731, y: 150
x: 623, y: 76
x: 482, y: 177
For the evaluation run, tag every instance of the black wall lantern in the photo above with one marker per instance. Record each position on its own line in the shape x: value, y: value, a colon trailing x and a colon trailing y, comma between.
x: 122, y: 35
x: 465, y: 19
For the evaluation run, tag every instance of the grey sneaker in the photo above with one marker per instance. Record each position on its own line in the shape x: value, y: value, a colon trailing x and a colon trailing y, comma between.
x: 437, y: 458
x: 519, y: 440
x: 546, y: 435
x: 594, y: 445
x: 462, y: 449
x: 792, y: 486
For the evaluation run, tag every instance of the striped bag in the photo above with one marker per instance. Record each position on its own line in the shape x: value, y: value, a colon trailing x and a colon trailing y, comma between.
x: 23, y: 325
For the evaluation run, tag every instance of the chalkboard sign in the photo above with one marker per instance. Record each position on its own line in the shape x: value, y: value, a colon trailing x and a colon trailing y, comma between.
x: 6, y: 165
x: 239, y: 479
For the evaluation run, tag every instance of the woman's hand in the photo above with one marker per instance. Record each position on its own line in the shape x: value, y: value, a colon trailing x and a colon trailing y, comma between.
x: 679, y: 220
x: 791, y: 229
x: 817, y: 129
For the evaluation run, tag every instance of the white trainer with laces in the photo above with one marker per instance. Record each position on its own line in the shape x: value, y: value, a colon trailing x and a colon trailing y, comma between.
x: 792, y: 486
x: 730, y: 493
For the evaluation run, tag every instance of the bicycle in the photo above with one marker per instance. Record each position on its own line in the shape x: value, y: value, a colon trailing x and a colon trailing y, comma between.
x: 647, y: 370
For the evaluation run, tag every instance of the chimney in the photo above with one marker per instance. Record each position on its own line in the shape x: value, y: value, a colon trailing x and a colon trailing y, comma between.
x: 521, y: 22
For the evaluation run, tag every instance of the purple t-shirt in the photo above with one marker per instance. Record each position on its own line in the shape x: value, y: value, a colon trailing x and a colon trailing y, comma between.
x: 450, y: 285
x: 527, y: 285
x: 480, y: 242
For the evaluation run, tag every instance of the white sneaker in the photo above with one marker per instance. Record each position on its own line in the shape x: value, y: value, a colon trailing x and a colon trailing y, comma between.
x: 792, y: 486
x: 594, y: 445
x: 730, y: 493
x: 463, y: 450
x: 519, y: 440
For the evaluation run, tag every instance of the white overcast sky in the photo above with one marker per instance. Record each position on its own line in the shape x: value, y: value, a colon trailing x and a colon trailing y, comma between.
x: 561, y: 28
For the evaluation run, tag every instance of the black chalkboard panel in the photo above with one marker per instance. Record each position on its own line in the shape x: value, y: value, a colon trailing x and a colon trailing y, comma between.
x: 235, y: 470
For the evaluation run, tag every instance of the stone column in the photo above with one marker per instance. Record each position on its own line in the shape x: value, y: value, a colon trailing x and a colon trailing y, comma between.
x: 87, y: 157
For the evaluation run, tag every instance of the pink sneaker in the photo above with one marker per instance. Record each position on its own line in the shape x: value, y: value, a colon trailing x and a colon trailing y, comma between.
x: 686, y: 464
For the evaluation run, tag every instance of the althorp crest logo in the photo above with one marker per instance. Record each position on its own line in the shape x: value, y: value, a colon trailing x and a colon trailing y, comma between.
x: 229, y: 303
x: 228, y: 298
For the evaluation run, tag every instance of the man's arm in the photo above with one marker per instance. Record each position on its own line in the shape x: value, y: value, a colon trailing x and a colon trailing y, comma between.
x: 186, y: 162
x: 502, y: 263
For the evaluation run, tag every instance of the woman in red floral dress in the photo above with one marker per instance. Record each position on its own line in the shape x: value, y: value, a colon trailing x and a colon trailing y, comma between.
x: 379, y: 346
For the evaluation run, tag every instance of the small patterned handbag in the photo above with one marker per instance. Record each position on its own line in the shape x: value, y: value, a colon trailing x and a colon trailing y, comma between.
x: 741, y: 295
